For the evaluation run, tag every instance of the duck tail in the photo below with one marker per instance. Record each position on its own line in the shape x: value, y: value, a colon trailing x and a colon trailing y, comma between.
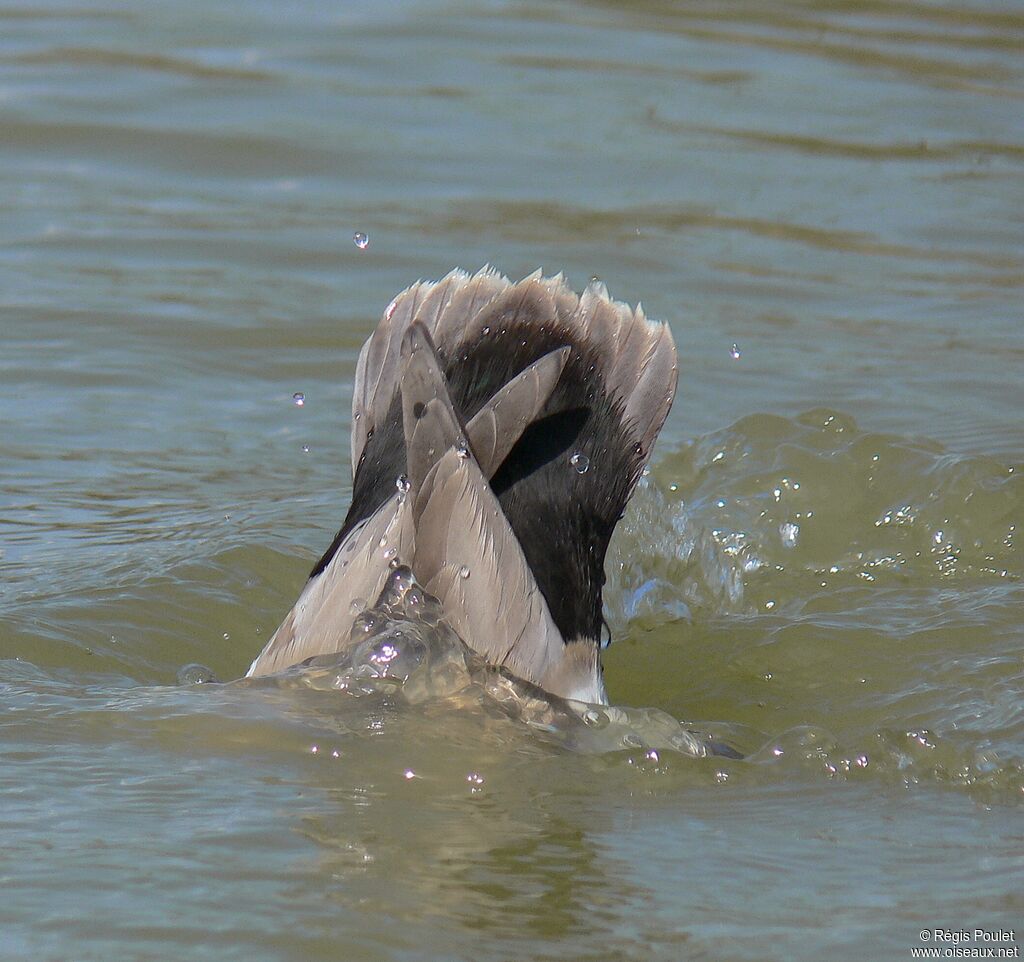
x: 518, y: 418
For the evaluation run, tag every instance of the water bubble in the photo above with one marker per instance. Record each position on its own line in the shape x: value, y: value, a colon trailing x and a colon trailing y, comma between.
x: 409, y: 773
x: 580, y: 462
x: 299, y: 398
x: 735, y: 352
x: 390, y: 553
x: 196, y: 675
x: 366, y: 623
x: 789, y: 532
x: 464, y: 571
x: 403, y: 484
x: 305, y: 449
x: 361, y: 240
x: 357, y: 606
x: 475, y: 778
x: 462, y: 450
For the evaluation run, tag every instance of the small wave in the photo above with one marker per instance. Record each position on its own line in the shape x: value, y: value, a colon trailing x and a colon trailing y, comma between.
x: 772, y: 510
x: 98, y: 57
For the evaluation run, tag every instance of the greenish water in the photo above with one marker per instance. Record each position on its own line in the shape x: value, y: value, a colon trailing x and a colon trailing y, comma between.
x: 826, y: 557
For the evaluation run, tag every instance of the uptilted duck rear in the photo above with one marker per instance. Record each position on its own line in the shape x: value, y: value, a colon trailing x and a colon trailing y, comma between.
x: 498, y: 431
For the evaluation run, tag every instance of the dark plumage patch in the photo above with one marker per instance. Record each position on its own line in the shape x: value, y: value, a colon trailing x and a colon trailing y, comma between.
x: 562, y: 517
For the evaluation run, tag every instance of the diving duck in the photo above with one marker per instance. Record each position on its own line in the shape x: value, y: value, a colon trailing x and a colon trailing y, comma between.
x: 498, y: 431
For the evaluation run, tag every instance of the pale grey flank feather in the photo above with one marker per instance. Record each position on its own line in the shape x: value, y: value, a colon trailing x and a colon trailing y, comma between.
x: 468, y: 557
x: 429, y: 421
x: 320, y: 621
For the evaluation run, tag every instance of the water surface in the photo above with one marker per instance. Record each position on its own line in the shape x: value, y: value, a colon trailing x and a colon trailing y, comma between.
x: 826, y: 556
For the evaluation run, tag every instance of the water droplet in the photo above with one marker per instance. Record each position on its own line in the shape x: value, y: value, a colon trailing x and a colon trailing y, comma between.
x: 464, y: 571
x: 390, y: 553
x: 226, y: 636
x: 403, y: 484
x: 305, y: 449
x: 735, y: 352
x: 580, y: 462
x: 486, y: 331
x: 409, y: 773
x: 299, y: 398
x: 462, y: 450
x: 357, y: 606
x: 361, y: 240
x: 475, y: 778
